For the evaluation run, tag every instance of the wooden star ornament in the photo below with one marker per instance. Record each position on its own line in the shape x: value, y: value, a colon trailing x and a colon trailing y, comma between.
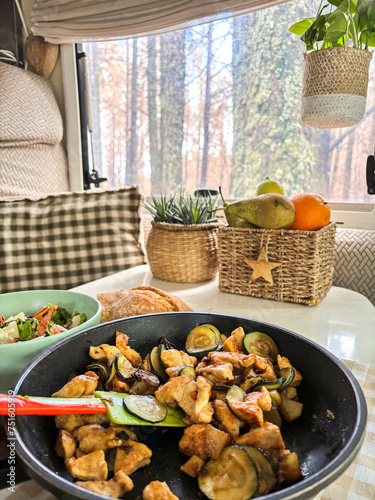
x: 261, y: 267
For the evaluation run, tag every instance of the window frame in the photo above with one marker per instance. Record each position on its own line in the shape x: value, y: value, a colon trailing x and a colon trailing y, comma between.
x: 348, y: 215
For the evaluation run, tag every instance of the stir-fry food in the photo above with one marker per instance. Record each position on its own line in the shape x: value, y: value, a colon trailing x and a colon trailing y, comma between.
x: 49, y: 320
x: 236, y: 392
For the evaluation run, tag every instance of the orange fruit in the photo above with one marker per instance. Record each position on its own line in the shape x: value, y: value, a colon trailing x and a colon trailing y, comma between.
x: 312, y: 212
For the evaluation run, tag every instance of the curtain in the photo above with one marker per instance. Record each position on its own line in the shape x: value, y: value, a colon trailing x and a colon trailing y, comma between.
x: 75, y: 21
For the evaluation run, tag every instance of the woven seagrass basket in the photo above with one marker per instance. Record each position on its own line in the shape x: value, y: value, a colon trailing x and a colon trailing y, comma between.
x: 305, y: 263
x: 335, y: 82
x: 183, y: 253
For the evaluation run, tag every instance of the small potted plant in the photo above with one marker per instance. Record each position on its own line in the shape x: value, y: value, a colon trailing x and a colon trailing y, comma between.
x: 182, y: 245
x: 336, y: 62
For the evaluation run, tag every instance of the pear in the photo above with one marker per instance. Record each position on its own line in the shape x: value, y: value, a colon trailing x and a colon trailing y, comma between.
x: 232, y: 219
x: 268, y: 211
x: 269, y: 186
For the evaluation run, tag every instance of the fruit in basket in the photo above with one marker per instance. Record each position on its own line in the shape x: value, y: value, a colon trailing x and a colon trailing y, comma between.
x: 232, y: 219
x: 312, y: 212
x: 269, y: 186
x: 267, y: 211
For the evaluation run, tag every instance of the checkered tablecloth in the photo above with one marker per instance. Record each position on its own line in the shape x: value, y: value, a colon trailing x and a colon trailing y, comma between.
x: 358, y: 481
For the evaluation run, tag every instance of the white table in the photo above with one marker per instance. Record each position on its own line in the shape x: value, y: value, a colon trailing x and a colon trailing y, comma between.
x: 344, y: 323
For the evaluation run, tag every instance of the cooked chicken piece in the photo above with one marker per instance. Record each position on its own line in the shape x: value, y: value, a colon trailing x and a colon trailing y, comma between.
x: 79, y: 453
x: 238, y: 360
x: 234, y: 342
x: 285, y: 363
x: 192, y: 396
x: 117, y: 385
x: 265, y: 437
x: 91, y: 467
x: 204, y: 441
x: 227, y: 420
x: 289, y: 469
x: 173, y: 357
x: 146, y: 363
x: 65, y: 446
x: 122, y: 344
x: 79, y: 387
x: 72, y: 422
x: 173, y: 371
x: 104, y: 352
x: 219, y: 374
x: 95, y: 437
x: 131, y: 456
x: 239, y: 335
x: 250, y: 410
x: 157, y: 490
x: 113, y: 488
x: 230, y: 345
x: 193, y: 466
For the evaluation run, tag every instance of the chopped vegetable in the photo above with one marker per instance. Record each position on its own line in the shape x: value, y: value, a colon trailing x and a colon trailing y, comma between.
x: 48, y: 320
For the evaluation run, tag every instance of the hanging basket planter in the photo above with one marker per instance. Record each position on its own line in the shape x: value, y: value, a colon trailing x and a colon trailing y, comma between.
x: 335, y: 83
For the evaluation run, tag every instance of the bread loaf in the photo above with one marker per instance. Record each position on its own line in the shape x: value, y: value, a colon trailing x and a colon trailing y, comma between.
x: 136, y: 301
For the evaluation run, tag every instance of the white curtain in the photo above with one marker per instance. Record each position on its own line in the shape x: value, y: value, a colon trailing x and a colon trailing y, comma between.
x: 70, y: 21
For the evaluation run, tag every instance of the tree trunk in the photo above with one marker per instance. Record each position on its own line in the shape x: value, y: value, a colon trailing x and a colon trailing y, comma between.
x: 207, y: 109
x: 131, y: 157
x: 172, y: 104
x: 153, y: 123
x: 241, y: 70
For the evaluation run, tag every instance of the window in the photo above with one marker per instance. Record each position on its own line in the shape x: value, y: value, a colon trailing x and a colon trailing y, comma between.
x: 219, y: 105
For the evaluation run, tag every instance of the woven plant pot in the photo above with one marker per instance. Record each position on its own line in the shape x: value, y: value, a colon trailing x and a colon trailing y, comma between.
x: 183, y: 254
x: 335, y: 82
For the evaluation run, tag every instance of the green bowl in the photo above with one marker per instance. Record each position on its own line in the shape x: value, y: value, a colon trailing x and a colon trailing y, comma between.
x: 14, y: 357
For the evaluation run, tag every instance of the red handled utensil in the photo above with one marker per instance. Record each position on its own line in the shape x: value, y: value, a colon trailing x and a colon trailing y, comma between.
x: 110, y: 403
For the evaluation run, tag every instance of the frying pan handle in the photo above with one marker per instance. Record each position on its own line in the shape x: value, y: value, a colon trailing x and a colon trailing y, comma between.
x: 18, y: 405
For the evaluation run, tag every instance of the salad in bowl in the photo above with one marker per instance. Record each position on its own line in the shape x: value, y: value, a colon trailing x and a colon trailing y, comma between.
x: 49, y: 320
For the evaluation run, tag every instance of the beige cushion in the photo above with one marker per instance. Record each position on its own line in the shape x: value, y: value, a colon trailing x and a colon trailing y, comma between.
x: 355, y: 261
x: 29, y: 113
x: 32, y: 159
x: 62, y: 241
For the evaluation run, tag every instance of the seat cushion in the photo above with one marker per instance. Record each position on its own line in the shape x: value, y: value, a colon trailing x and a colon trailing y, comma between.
x: 355, y: 261
x: 62, y: 241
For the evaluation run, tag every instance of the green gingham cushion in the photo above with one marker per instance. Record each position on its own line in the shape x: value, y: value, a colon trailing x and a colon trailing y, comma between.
x: 61, y: 241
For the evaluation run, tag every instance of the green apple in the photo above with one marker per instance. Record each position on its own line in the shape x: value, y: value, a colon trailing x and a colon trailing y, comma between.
x: 269, y: 186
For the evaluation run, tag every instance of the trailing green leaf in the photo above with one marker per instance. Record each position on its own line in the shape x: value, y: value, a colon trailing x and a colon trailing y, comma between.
x: 335, y: 25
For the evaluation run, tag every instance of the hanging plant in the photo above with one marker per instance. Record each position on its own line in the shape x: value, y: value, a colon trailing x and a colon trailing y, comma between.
x: 336, y: 62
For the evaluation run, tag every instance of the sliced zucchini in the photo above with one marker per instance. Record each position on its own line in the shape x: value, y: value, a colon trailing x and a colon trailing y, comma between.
x: 125, y: 370
x: 271, y: 385
x: 216, y: 331
x: 101, y: 369
x: 146, y: 407
x: 148, y: 377
x: 266, y: 475
x: 261, y: 344
x: 200, y: 341
x: 156, y: 366
x: 188, y: 371
x: 273, y: 416
x: 111, y: 372
x: 234, y: 395
x: 249, y: 382
x: 221, y: 388
x: 232, y: 476
x: 288, y: 375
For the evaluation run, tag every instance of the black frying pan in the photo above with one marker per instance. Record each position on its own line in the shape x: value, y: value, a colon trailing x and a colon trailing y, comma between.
x: 325, y: 446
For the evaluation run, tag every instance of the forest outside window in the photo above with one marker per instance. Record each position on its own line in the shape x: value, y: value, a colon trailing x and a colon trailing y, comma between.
x: 219, y: 105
